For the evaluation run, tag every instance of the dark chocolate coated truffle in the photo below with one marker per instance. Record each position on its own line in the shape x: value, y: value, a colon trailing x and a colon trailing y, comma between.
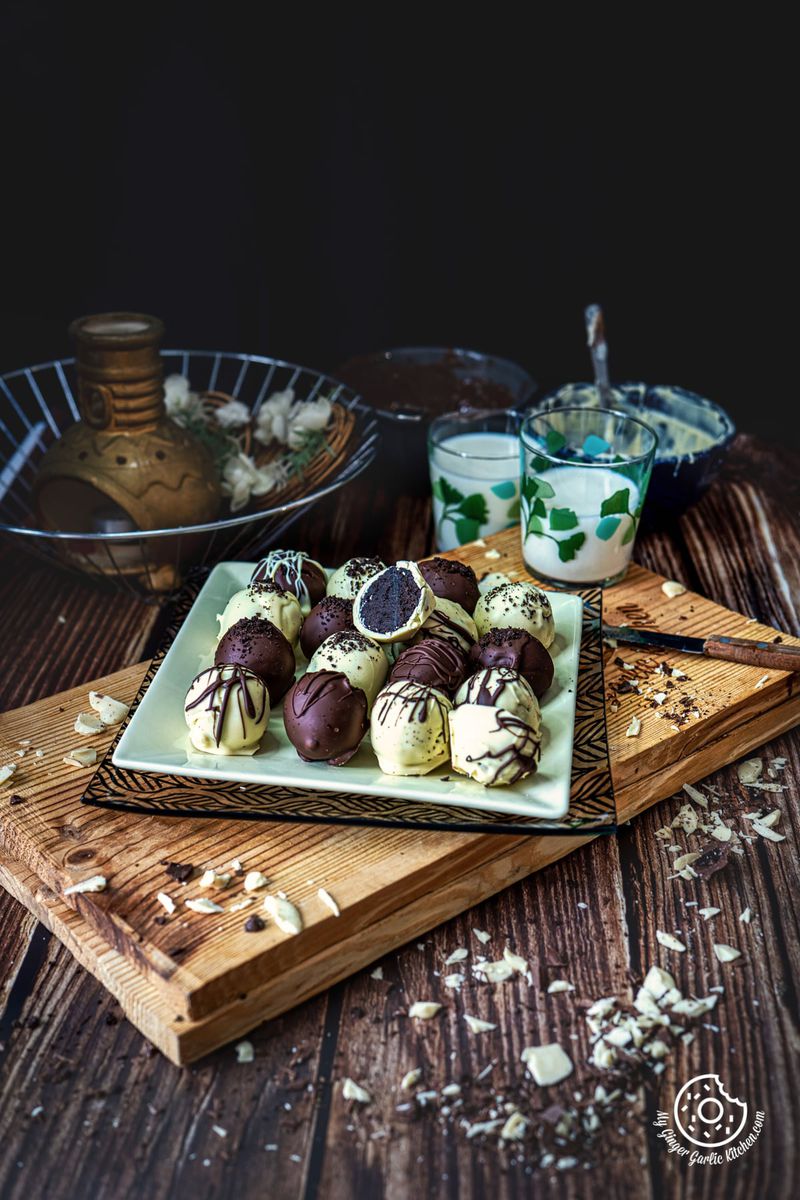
x: 255, y: 643
x: 325, y: 717
x: 439, y: 664
x: 517, y: 649
x: 293, y: 571
x: 451, y: 580
x: 333, y: 614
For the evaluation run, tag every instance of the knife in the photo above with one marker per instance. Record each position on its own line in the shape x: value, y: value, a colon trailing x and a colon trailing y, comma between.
x: 773, y: 656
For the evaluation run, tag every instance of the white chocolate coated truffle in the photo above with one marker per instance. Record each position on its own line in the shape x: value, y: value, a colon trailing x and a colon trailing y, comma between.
x: 450, y: 622
x: 491, y: 745
x: 500, y: 687
x: 394, y: 604
x: 268, y: 601
x: 227, y: 710
x: 516, y: 606
x: 408, y: 729
x: 357, y: 657
x: 348, y: 580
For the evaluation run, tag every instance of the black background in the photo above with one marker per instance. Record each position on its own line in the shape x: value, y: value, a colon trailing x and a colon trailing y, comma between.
x: 327, y: 184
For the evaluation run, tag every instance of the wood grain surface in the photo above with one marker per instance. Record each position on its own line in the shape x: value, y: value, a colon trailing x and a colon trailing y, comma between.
x: 114, y: 1119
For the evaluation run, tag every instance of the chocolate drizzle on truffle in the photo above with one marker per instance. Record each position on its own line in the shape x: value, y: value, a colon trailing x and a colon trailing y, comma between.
x: 517, y: 757
x: 325, y: 717
x: 451, y: 580
x: 434, y: 662
x: 228, y: 682
x: 293, y: 571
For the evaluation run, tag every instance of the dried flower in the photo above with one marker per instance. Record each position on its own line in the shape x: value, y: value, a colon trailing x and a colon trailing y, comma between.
x: 232, y: 415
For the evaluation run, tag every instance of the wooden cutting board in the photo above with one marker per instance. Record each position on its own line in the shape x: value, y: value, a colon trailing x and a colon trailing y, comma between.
x: 198, y: 981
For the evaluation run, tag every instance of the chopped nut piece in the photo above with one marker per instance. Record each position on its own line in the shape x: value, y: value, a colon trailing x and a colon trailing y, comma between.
x: 645, y: 1002
x: 483, y: 1127
x: 96, y: 883
x: 329, y: 901
x: 166, y: 902
x: 482, y: 936
x: 764, y: 831
x: 516, y: 962
x: 514, y: 1128
x: 656, y: 1048
x: 476, y: 1025
x: 245, y: 1052
x: 454, y: 981
x: 760, y: 682
x: 559, y: 985
x: 494, y: 972
x: 493, y: 554
x: 745, y: 916
x: 664, y: 834
x: 452, y: 1089
x: 423, y: 1010
x: 457, y: 956
x: 708, y: 913
x: 769, y: 819
x: 284, y: 914
x: 671, y: 588
x: 254, y: 880
x: 410, y: 1079
x: 603, y: 1055
x: 80, y: 758
x: 658, y: 981
x: 725, y: 953
x: 686, y: 860
x: 88, y: 723
x: 353, y: 1091
x: 686, y: 819
x: 210, y: 879
x: 721, y: 832
x: 670, y: 941
x: 635, y: 728
x: 7, y: 771
x: 203, y: 905
x: 750, y: 770
x: 244, y: 902
x: 377, y: 973
x: 618, y: 1036
x: 110, y: 711
x: 695, y: 795
x: 547, y: 1064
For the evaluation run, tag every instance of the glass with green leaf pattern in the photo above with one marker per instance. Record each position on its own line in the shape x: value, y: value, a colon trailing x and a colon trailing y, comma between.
x: 584, y: 480
x: 474, y: 464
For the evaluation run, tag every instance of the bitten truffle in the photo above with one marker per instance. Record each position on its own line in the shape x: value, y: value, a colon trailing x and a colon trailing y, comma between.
x: 333, y: 614
x: 393, y: 605
x: 451, y: 580
x: 517, y: 649
x: 325, y: 717
x: 258, y: 645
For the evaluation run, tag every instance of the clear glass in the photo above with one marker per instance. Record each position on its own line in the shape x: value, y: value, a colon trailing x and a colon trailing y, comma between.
x: 584, y: 477
x: 473, y: 458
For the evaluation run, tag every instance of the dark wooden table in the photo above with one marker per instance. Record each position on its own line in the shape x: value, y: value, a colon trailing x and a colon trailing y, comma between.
x: 114, y: 1119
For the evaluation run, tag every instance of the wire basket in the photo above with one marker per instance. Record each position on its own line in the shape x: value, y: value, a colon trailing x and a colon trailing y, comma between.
x: 38, y: 403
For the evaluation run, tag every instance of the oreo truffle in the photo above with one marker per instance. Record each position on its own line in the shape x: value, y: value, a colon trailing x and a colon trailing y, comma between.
x: 325, y: 717
x: 491, y: 745
x: 394, y: 604
x: 258, y: 645
x: 357, y: 657
x: 450, y: 622
x: 409, y: 728
x: 519, y: 650
x: 333, y: 614
x: 227, y: 711
x: 293, y: 571
x: 451, y: 580
x: 264, y: 600
x: 500, y: 687
x: 517, y: 605
x: 349, y: 579
x: 434, y: 662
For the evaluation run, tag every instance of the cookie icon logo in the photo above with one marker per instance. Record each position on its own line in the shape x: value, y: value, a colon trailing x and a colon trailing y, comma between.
x: 706, y: 1115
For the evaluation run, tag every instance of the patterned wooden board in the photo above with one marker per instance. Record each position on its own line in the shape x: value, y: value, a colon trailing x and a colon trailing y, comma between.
x: 215, y: 979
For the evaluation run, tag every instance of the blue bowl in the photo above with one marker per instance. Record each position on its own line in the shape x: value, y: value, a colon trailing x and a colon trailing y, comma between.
x: 693, y: 438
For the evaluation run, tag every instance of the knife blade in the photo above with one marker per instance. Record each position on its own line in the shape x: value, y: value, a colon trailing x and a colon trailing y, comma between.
x: 775, y: 656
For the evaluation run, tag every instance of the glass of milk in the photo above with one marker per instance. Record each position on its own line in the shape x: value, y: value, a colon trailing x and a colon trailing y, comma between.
x: 585, y: 473
x: 474, y: 466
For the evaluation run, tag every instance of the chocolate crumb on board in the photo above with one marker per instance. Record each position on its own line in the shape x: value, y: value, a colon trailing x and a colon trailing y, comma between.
x: 254, y: 924
x: 180, y: 872
x: 16, y: 799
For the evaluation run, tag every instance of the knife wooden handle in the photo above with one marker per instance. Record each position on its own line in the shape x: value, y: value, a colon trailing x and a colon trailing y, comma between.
x: 775, y: 657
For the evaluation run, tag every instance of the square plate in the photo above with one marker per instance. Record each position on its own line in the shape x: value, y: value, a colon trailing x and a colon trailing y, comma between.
x: 156, y: 738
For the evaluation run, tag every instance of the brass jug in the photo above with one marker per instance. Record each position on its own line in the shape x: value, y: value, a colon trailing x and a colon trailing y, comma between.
x: 125, y: 453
